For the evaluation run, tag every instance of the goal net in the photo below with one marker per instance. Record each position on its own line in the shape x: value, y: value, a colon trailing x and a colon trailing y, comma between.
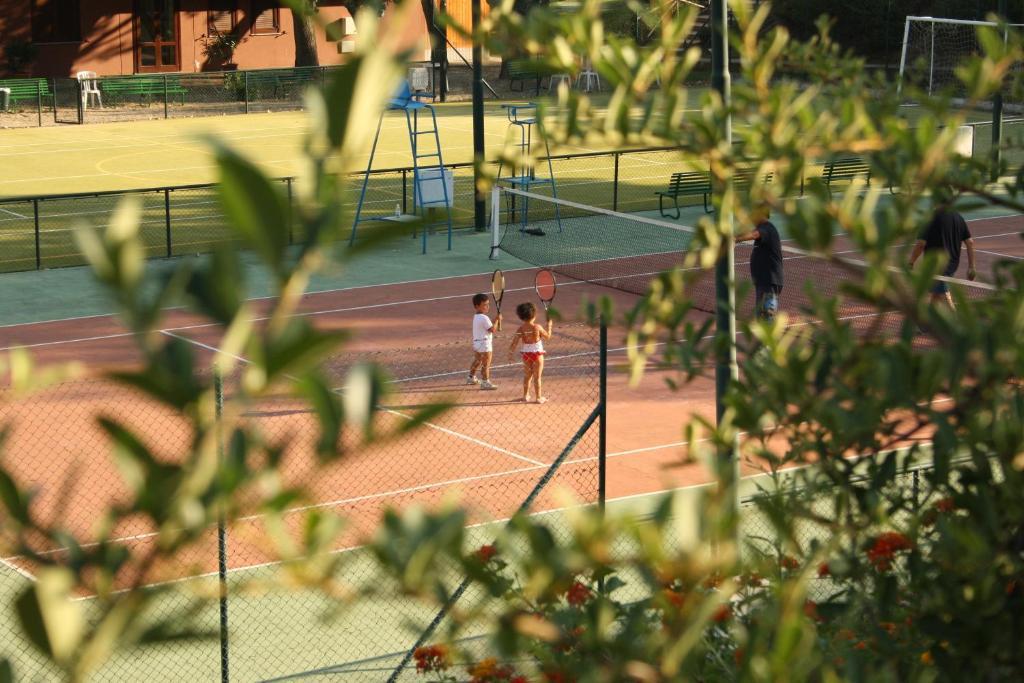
x: 932, y: 50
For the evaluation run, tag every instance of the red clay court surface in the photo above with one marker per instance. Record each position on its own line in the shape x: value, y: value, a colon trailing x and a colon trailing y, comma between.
x: 489, y: 448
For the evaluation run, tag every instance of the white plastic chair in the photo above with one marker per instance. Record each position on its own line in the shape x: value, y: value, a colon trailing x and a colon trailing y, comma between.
x: 89, y: 86
x: 588, y: 77
x: 556, y: 79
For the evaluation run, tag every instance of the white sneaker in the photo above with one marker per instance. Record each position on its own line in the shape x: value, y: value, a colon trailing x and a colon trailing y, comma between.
x: 487, y: 386
x: 470, y: 379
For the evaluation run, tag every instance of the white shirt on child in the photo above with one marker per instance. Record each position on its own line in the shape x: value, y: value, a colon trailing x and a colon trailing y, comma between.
x: 483, y: 337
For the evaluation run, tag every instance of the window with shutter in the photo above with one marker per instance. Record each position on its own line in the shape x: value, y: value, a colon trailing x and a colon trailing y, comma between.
x: 221, y: 22
x: 265, y: 19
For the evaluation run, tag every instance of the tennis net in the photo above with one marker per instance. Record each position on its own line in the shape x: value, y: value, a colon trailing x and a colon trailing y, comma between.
x: 625, y: 251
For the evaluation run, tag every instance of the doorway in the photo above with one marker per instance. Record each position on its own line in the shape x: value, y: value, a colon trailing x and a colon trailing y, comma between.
x: 157, y: 45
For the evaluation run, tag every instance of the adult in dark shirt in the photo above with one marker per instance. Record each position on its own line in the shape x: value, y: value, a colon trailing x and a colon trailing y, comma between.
x: 946, y: 232
x: 765, y: 262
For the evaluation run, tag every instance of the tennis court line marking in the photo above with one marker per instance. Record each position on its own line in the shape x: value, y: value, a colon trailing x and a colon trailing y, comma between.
x: 352, y: 288
x: 1000, y: 254
x: 443, y: 430
x: 13, y: 213
x: 18, y: 570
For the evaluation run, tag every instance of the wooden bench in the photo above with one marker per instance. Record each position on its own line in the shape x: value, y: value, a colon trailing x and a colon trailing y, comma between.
x: 143, y: 87
x: 522, y: 70
x: 27, y: 89
x: 691, y: 183
x: 845, y: 168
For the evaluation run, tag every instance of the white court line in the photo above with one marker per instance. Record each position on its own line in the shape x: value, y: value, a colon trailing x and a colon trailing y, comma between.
x: 7, y: 562
x: 1000, y: 254
x: 443, y: 430
x: 14, y: 213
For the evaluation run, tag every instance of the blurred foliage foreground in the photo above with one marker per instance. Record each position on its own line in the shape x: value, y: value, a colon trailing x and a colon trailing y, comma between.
x: 850, y: 574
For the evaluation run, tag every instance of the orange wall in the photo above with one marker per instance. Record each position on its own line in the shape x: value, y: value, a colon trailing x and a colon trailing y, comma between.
x: 108, y: 41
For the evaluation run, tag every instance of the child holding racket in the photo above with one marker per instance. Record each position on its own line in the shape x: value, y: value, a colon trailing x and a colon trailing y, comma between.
x: 532, y: 335
x: 483, y: 342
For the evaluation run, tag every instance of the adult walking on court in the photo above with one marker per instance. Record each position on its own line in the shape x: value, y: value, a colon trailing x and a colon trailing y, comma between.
x: 765, y: 262
x: 946, y: 232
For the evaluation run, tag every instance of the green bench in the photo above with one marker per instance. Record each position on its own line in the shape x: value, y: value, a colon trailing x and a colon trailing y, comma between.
x: 27, y: 89
x: 143, y: 87
x: 522, y: 70
x: 845, y: 168
x: 280, y: 83
x: 692, y: 183
x: 743, y: 178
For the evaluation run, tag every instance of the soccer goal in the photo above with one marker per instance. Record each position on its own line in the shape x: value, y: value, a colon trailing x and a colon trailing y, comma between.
x: 933, y: 48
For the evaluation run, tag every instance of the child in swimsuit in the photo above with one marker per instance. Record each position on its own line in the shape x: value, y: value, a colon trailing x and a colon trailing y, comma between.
x: 532, y: 335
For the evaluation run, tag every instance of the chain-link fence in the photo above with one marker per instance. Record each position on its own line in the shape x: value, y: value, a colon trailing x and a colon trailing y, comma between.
x: 493, y: 452
x: 38, y: 232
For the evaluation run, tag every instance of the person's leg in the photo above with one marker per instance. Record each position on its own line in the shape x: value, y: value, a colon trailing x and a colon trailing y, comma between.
x: 485, y: 365
x: 527, y: 379
x: 940, y: 294
x: 477, y: 362
x: 538, y: 370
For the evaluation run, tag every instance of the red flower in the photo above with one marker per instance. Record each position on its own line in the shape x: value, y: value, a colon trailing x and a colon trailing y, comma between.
x: 1012, y: 586
x: 945, y: 505
x: 722, y: 614
x: 674, y: 598
x: 861, y: 645
x: 885, y: 547
x: 811, y: 611
x: 713, y: 581
x: 887, y: 626
x: 824, y: 570
x: 578, y: 594
x: 486, y: 553
x: 789, y: 562
x: 518, y: 679
x: 557, y: 677
x: 431, y: 658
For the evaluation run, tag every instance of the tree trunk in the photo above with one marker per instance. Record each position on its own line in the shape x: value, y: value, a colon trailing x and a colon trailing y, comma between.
x: 304, y: 31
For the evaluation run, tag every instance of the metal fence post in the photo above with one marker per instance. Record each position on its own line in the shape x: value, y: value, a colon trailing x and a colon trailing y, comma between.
x: 615, y: 185
x: 167, y: 218
x: 291, y: 213
x: 245, y: 89
x: 39, y: 101
x: 35, y: 217
x: 405, y: 192
x: 222, y: 536
x: 602, y: 426
x: 166, y: 115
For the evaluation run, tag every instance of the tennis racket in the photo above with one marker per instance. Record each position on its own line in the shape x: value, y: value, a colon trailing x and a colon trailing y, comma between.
x: 544, y: 283
x: 498, y: 292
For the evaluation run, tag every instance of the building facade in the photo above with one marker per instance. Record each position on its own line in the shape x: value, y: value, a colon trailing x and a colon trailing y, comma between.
x: 122, y: 37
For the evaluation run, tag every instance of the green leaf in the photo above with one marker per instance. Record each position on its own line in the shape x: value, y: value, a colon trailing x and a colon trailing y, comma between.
x: 49, y: 617
x: 217, y: 288
x: 297, y: 348
x: 330, y: 415
x: 256, y: 208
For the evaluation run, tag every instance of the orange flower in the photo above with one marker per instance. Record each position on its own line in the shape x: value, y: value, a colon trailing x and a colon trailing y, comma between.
x: 578, y: 594
x: 674, y: 598
x: 789, y: 562
x: 926, y: 658
x: 431, y: 658
x: 484, y: 668
x: 860, y: 645
x: 722, y: 614
x: 884, y: 549
x: 887, y: 626
x: 811, y: 611
x: 714, y: 580
x: 486, y: 553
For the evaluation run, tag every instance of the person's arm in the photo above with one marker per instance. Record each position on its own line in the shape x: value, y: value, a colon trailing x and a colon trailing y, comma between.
x: 496, y: 325
x: 545, y: 333
x: 971, y: 271
x: 515, y: 342
x: 748, y: 236
x: 916, y: 254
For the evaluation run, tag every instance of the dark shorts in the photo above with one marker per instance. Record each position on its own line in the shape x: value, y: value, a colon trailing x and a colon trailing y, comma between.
x: 767, y: 301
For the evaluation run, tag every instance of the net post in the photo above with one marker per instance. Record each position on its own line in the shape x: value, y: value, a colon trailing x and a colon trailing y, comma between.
x: 495, y: 223
x: 997, y: 111
x: 222, y: 540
